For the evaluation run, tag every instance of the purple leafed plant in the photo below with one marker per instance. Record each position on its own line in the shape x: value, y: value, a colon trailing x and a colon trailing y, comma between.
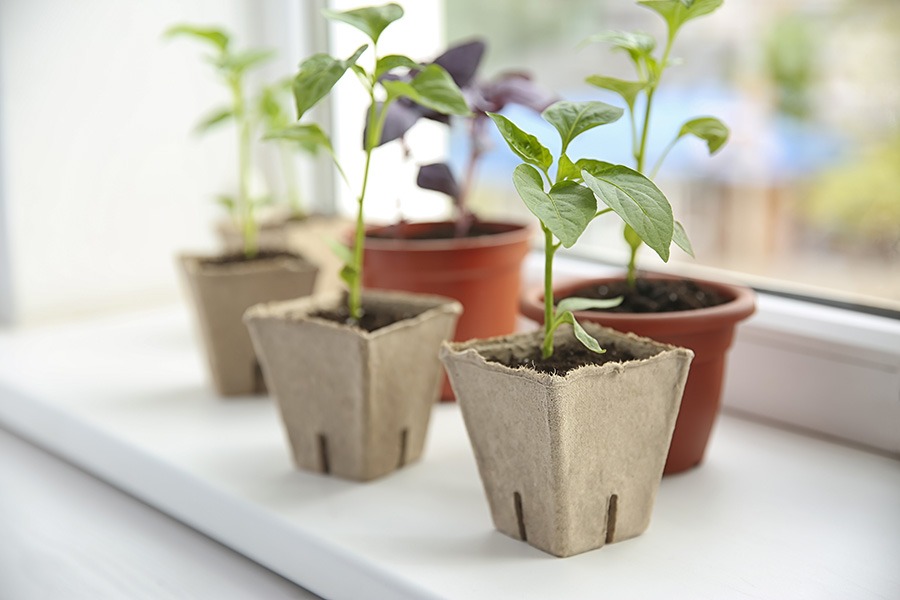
x: 491, y: 96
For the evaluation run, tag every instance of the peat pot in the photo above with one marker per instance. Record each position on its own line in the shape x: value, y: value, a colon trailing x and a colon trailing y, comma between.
x: 569, y: 462
x: 221, y: 291
x: 707, y: 331
x: 481, y: 272
x: 354, y: 403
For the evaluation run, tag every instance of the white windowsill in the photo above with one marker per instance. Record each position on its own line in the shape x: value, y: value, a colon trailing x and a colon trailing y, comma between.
x: 771, y: 513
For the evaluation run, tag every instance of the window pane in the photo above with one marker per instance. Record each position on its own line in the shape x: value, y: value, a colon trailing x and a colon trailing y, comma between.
x: 806, y: 191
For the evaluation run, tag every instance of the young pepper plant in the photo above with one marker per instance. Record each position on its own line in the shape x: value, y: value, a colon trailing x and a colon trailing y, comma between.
x: 431, y: 87
x: 566, y: 203
x: 232, y: 66
x: 640, y: 47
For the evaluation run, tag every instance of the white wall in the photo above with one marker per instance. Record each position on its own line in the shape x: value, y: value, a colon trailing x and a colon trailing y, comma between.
x: 102, y: 180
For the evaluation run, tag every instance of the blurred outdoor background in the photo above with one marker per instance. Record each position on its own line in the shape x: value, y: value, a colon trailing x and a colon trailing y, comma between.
x: 103, y: 181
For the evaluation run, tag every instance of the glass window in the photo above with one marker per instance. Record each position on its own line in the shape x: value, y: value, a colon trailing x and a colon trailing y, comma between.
x: 806, y: 191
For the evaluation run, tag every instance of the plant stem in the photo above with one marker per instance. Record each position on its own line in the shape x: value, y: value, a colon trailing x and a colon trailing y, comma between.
x: 549, y: 251
x: 290, y: 180
x: 243, y: 207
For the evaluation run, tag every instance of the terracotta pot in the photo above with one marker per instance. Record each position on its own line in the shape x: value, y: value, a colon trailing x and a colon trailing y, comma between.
x: 569, y: 463
x: 708, y: 332
x: 354, y: 404
x: 221, y: 293
x: 483, y: 273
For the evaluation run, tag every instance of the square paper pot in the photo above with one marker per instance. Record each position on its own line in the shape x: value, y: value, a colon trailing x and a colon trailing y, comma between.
x: 569, y: 463
x: 221, y: 293
x: 354, y: 403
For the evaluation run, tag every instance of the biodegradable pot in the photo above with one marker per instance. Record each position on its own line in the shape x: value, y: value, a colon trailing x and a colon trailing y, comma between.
x: 482, y: 273
x: 708, y: 332
x: 354, y: 403
x: 569, y: 463
x: 221, y: 293
x: 307, y: 236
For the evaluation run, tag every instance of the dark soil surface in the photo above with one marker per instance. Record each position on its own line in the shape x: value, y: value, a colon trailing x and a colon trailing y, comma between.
x: 655, y: 295
x: 374, y: 317
x: 444, y: 231
x: 240, y: 257
x: 568, y: 358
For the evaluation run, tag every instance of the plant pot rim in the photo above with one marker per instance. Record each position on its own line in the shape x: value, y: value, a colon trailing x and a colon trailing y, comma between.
x: 509, y: 233
x: 195, y: 265
x: 470, y: 351
x: 741, y: 305
x: 300, y: 309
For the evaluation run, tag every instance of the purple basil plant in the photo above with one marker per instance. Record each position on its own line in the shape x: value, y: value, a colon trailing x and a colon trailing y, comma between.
x: 490, y: 96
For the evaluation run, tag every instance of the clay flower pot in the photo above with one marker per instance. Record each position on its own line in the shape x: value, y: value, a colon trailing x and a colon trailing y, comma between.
x: 482, y: 273
x: 354, y: 403
x: 708, y: 332
x: 221, y: 292
x: 569, y: 463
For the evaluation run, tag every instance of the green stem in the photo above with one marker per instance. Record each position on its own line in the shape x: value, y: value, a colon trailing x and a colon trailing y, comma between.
x: 662, y: 157
x: 549, y: 251
x: 631, y: 277
x: 243, y: 206
x: 290, y: 180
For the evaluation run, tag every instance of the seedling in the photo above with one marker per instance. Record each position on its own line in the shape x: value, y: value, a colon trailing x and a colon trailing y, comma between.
x: 640, y: 48
x: 232, y: 66
x: 431, y: 87
x: 566, y: 203
x: 511, y: 87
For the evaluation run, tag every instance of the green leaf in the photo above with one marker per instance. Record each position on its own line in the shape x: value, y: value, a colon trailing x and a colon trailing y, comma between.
x: 318, y: 74
x: 340, y: 250
x: 567, y: 169
x: 349, y: 275
x: 629, y: 90
x: 371, y: 20
x: 214, y: 118
x: 390, y: 62
x: 240, y: 62
x: 638, y: 45
x: 574, y: 304
x: 586, y: 339
x: 678, y: 12
x: 524, y: 145
x: 633, y: 240
x: 636, y: 200
x: 679, y: 236
x: 433, y: 88
x: 226, y: 201
x: 211, y: 35
x: 565, y: 211
x: 709, y: 129
x: 571, y: 119
x: 305, y: 133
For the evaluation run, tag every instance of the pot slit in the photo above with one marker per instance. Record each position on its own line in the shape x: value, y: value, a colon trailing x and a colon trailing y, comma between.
x: 323, y: 453
x: 520, y: 516
x: 404, y: 435
x: 611, y: 512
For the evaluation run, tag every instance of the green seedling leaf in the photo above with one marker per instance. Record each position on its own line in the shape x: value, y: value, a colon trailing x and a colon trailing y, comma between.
x: 679, y: 236
x: 218, y: 38
x: 433, y: 88
x: 340, y: 250
x: 524, y: 145
x: 565, y: 211
x: 311, y: 137
x: 567, y: 169
x: 371, y: 20
x: 633, y: 240
x: 349, y: 275
x: 586, y: 339
x: 629, y: 90
x: 709, y: 129
x: 638, y: 45
x: 226, y: 201
x: 214, y: 118
x: 678, y: 12
x: 240, y: 62
x: 388, y: 63
x: 318, y: 74
x: 571, y: 119
x: 636, y: 200
x: 575, y: 304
